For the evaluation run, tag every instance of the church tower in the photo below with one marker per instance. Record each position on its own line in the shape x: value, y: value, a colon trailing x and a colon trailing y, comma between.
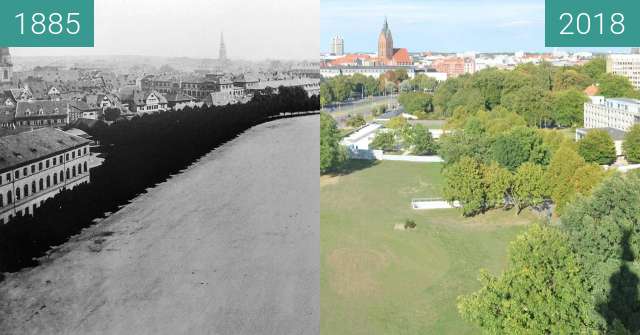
x: 6, y: 66
x: 223, y: 49
x: 385, y: 42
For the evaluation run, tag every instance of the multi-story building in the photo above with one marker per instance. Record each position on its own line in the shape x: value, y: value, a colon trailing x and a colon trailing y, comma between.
x: 41, y: 113
x: 455, y: 66
x: 372, y: 71
x: 627, y: 65
x: 6, y: 68
x: 337, y: 46
x: 36, y: 165
x: 616, y: 113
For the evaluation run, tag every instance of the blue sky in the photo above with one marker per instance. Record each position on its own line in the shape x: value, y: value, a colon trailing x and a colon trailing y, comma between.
x: 436, y: 25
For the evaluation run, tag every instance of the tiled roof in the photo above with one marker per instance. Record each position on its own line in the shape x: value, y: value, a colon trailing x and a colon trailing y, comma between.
x: 34, y: 145
x: 178, y: 97
x: 48, y: 107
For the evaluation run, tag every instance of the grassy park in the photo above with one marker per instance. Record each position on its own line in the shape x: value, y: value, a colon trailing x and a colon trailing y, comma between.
x: 375, y: 280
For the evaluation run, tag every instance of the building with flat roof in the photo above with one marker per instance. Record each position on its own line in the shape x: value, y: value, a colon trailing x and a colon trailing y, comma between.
x: 36, y: 165
x: 627, y: 65
x: 616, y: 113
x: 337, y: 46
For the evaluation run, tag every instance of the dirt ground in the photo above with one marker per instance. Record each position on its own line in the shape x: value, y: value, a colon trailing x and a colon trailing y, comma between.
x: 230, y: 246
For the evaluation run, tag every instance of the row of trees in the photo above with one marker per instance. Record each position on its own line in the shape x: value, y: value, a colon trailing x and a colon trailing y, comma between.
x: 579, y: 277
x: 140, y: 153
x: 544, y: 95
x: 488, y: 164
x: 400, y: 134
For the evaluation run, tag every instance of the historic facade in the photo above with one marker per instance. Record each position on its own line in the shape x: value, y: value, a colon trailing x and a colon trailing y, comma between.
x: 385, y: 42
x: 6, y: 68
x: 36, y: 165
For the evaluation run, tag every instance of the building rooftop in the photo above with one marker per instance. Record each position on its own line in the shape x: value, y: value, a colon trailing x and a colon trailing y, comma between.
x: 30, y: 146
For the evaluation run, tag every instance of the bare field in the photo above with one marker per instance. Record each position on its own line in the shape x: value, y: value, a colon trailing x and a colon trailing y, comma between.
x: 230, y: 246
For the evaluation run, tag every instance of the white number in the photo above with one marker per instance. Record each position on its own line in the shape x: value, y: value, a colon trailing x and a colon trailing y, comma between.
x: 617, y: 23
x: 601, y: 25
x: 564, y: 32
x: 21, y: 17
x: 55, y: 21
x: 38, y: 23
x: 70, y: 21
x: 581, y: 15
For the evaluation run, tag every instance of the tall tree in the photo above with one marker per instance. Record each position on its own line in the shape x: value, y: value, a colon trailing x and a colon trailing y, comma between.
x: 562, y: 167
x: 567, y: 107
x: 498, y: 182
x: 631, y: 145
x: 597, y: 147
x: 331, y: 154
x: 529, y: 186
x: 464, y: 183
x: 543, y: 290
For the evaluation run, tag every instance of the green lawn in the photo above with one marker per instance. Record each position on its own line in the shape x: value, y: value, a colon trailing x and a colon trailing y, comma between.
x: 375, y: 280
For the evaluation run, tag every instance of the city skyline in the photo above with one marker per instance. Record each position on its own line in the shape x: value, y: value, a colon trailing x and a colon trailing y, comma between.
x: 151, y: 28
x: 429, y: 25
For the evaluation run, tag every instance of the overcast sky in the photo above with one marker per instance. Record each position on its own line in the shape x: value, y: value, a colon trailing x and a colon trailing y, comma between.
x: 436, y: 25
x: 253, y: 29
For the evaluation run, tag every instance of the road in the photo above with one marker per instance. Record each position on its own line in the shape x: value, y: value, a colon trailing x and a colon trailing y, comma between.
x: 230, y: 246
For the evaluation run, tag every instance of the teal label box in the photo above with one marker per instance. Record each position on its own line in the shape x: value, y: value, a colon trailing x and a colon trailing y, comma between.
x: 46, y: 23
x: 592, y: 23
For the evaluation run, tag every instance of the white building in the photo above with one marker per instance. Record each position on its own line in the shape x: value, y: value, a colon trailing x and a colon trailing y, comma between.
x: 337, y: 46
x: 36, y: 165
x: 627, y: 65
x: 616, y: 113
x: 372, y: 71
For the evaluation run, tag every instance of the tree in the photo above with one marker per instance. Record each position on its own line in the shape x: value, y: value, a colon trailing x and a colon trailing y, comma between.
x: 497, y: 181
x: 520, y: 145
x: 567, y: 107
x: 631, y: 145
x: 111, y: 114
x: 331, y: 154
x: 490, y: 82
x: 597, y: 147
x: 416, y: 102
x: 564, y: 163
x: 571, y: 79
x: 396, y: 123
x: 543, y: 291
x: 586, y: 178
x: 356, y: 121
x: 614, y: 86
x: 529, y: 186
x: 595, y: 68
x: 342, y: 88
x: 424, y: 84
x: 531, y: 102
x: 384, y: 140
x: 326, y: 94
x: 421, y: 141
x: 463, y: 182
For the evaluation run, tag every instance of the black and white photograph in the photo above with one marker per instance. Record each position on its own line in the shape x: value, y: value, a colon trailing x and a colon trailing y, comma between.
x: 165, y: 180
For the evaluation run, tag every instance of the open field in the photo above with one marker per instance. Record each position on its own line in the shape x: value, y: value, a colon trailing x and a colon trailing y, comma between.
x: 375, y: 280
x: 229, y: 246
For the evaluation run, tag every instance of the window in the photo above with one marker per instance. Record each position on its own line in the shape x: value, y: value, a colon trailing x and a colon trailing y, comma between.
x: 85, y: 150
x: 73, y: 155
x: 85, y: 167
x: 48, y: 181
x: 33, y: 169
x: 40, y: 166
x: 61, y: 176
x: 9, y: 198
x: 33, y: 187
x: 41, y: 184
x: 68, y: 173
x: 47, y: 164
x: 17, y: 174
x: 1, y: 201
x: 74, y: 171
x: 26, y: 190
x: 55, y: 179
x: 67, y: 157
x: 17, y: 194
x: 25, y: 172
x: 54, y: 161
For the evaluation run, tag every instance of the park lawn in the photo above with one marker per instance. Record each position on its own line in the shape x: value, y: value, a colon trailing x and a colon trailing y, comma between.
x: 375, y: 280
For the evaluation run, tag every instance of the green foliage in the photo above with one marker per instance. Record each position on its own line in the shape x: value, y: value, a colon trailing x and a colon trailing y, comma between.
x: 529, y: 186
x: 452, y: 147
x: 595, y: 68
x: 597, y: 147
x: 490, y: 82
x: 520, y: 145
x: 571, y: 79
x: 464, y: 182
x: 541, y: 292
x: 331, y: 153
x: 587, y: 177
x: 340, y: 88
x: 326, y: 94
x: 615, y: 86
x: 631, y: 145
x: 420, y: 140
x: 532, y: 102
x: 567, y: 107
x: 396, y: 123
x: 416, y: 102
x: 384, y: 140
x: 564, y: 163
x: 356, y: 121
x: 423, y: 83
x: 497, y: 181
x: 112, y: 114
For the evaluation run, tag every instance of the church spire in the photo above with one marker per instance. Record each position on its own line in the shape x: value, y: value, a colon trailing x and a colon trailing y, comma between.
x: 223, y: 49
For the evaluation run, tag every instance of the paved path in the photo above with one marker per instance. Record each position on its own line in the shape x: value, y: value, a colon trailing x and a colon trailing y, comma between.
x: 231, y: 246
